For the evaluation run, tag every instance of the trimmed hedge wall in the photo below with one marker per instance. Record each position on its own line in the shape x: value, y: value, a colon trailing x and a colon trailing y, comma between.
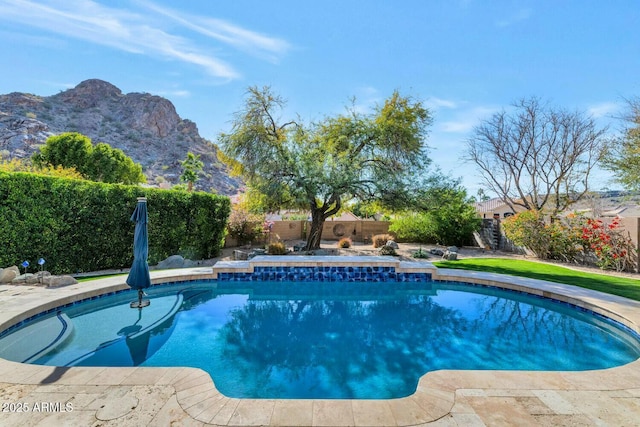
x: 81, y: 226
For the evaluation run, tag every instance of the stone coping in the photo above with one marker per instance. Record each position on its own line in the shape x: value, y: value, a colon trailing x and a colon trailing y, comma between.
x: 198, y: 397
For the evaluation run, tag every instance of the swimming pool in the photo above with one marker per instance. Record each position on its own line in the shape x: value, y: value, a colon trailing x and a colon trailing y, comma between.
x: 325, y: 339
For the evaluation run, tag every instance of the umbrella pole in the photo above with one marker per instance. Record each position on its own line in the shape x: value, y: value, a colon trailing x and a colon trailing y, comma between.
x: 140, y: 303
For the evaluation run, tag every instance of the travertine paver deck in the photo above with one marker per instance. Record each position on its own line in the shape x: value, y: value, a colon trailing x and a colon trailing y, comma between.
x: 140, y: 396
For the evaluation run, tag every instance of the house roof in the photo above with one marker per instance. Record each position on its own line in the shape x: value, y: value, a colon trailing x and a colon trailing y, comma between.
x: 489, y: 205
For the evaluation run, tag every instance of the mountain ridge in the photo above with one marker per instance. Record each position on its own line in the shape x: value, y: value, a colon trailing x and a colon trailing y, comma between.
x: 146, y: 127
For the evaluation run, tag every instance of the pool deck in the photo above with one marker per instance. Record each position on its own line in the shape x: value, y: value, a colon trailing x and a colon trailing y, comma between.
x: 81, y: 396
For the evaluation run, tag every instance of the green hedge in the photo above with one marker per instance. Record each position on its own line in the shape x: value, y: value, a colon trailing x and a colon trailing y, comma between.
x: 80, y: 226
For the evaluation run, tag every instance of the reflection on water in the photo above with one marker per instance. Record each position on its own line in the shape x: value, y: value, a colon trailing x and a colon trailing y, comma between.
x: 283, y: 342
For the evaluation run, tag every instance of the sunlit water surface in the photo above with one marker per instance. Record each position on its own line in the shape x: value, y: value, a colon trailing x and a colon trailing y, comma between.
x: 335, y: 340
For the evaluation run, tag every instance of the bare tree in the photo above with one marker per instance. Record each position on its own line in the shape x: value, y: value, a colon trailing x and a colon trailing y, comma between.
x: 537, y: 157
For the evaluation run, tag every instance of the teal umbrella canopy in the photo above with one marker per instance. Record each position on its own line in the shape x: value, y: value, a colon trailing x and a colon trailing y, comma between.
x: 139, y: 274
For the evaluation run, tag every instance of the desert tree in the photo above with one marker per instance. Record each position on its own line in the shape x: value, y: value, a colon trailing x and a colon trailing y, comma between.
x: 535, y: 156
x: 353, y: 156
x: 623, y: 154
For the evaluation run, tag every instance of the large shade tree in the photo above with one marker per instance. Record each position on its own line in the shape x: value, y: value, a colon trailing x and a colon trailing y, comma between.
x: 354, y: 156
x: 535, y: 156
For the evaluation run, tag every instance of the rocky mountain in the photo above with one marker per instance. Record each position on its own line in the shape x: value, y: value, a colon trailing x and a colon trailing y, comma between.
x: 146, y: 127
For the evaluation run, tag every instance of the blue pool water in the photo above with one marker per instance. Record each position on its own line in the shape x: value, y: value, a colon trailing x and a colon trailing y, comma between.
x: 324, y: 339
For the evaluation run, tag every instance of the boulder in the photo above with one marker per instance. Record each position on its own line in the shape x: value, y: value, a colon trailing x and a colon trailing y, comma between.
x: 190, y: 263
x: 32, y: 279
x: 436, y: 251
x: 24, y: 279
x: 450, y: 256
x: 174, y: 261
x: 452, y: 249
x: 387, y: 250
x: 8, y: 274
x: 58, y: 281
x: 392, y: 244
x: 40, y: 278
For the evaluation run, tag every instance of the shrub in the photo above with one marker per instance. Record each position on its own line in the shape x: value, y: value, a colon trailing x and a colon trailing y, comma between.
x: 16, y: 165
x: 575, y: 238
x: 610, y: 244
x: 276, y: 248
x: 344, y: 243
x: 244, y: 227
x: 529, y: 229
x: 100, y: 163
x: 420, y: 253
x: 380, y: 240
x: 448, y: 225
x: 80, y: 226
x: 387, y: 250
x: 414, y: 227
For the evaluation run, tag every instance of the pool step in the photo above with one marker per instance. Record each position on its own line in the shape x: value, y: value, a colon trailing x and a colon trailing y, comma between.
x: 34, y: 341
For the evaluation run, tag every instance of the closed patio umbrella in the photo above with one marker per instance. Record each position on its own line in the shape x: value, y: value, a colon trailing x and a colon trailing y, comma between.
x: 139, y: 274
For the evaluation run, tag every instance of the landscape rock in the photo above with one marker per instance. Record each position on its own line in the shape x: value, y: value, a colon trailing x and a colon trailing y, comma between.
x: 450, y: 256
x: 190, y: 263
x: 58, y: 281
x: 39, y: 278
x: 8, y: 274
x: 387, y: 250
x: 392, y: 244
x: 23, y: 279
x: 174, y: 261
x: 32, y: 279
x: 452, y: 249
x: 436, y: 251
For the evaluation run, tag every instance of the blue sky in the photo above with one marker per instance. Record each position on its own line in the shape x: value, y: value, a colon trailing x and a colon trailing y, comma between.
x: 466, y: 59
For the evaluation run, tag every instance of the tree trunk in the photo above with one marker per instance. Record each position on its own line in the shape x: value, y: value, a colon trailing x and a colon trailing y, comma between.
x: 315, y: 233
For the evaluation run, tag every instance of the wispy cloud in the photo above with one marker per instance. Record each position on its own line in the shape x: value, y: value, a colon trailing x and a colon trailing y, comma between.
x: 141, y: 33
x: 465, y: 120
x: 226, y: 32
x: 174, y: 93
x: 603, y: 109
x: 515, y: 18
x: 437, y: 103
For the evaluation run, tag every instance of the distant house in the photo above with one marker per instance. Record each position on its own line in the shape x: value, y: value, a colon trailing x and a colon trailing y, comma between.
x: 603, y: 205
x: 494, y: 207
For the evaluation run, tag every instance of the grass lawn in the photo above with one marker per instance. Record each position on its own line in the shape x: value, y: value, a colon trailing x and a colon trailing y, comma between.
x: 89, y: 278
x: 625, y: 287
